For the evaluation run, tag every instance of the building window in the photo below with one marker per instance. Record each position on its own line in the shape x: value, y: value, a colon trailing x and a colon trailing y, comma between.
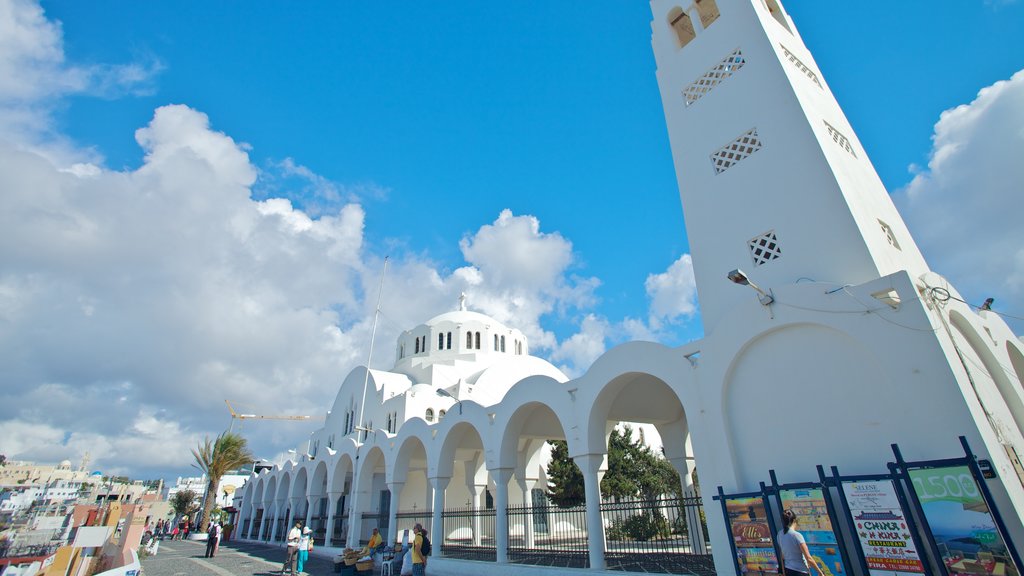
x: 776, y: 11
x: 440, y: 341
x: 440, y: 414
x: 800, y: 65
x: 682, y: 26
x: 417, y: 345
x: 729, y: 155
x: 502, y: 343
x: 889, y: 235
x: 495, y: 342
x: 477, y: 340
x: 708, y: 12
x: 764, y: 248
x: 469, y: 340
x: 718, y: 74
x: 401, y: 351
x: 449, y: 347
x: 840, y: 139
x: 429, y: 416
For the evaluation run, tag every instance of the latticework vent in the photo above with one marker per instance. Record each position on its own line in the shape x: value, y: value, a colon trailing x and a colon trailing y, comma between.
x: 727, y: 156
x: 838, y: 138
x: 803, y: 67
x: 714, y: 77
x: 889, y: 235
x: 765, y: 248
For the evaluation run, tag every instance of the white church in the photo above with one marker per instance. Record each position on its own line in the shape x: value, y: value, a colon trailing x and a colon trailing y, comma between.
x: 827, y: 339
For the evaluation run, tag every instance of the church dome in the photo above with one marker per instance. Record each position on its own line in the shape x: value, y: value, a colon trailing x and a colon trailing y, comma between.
x: 458, y: 335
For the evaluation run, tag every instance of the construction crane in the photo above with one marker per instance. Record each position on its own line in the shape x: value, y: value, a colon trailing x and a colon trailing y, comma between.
x: 237, y: 416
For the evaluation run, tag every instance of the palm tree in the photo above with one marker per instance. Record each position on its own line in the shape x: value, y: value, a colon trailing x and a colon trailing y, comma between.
x: 228, y: 452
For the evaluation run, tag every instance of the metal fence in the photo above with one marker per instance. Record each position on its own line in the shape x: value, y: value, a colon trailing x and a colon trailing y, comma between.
x: 469, y: 534
x: 405, y: 520
x: 547, y: 535
x: 318, y: 522
x: 666, y: 535
x: 340, y: 529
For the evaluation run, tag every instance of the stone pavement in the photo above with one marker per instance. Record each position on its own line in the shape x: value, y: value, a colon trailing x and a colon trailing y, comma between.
x: 185, y: 558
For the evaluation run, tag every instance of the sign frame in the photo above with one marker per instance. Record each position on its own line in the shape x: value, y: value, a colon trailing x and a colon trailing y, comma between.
x: 901, y: 469
x: 838, y: 479
x: 830, y: 508
x: 722, y: 497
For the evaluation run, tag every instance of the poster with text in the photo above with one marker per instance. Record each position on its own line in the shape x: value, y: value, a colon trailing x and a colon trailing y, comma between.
x: 882, y: 528
x: 755, y: 550
x: 816, y: 527
x: 960, y: 522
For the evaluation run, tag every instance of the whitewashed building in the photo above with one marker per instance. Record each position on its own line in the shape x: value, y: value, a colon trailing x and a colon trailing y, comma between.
x: 851, y: 344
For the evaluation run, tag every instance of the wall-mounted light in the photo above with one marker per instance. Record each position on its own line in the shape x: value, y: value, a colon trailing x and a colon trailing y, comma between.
x: 446, y: 394
x: 738, y: 277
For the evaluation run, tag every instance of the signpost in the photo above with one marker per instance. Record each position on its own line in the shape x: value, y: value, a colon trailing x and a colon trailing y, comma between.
x: 885, y: 534
x: 752, y: 532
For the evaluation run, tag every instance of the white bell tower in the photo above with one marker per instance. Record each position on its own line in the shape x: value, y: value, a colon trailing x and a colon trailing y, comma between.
x: 772, y: 177
x: 853, y: 337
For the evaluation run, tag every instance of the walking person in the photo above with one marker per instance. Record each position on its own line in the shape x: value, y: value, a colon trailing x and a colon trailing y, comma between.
x: 304, y: 542
x: 293, y: 549
x: 212, y: 539
x: 796, y: 559
x: 419, y: 559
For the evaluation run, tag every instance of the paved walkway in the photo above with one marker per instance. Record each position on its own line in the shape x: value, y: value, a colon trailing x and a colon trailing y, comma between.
x: 185, y: 558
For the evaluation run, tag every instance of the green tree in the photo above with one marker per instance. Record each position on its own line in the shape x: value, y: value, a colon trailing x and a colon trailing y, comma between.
x: 3, y: 460
x: 216, y: 458
x: 183, y: 502
x: 565, y: 481
x: 634, y: 471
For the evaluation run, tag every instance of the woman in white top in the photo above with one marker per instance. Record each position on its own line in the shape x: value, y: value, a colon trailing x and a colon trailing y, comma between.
x: 304, y: 548
x: 795, y: 557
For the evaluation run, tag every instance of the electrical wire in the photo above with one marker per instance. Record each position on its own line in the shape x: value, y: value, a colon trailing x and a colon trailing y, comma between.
x: 945, y: 295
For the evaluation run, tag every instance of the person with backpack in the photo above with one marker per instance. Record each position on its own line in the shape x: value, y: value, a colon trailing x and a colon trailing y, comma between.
x: 420, y: 551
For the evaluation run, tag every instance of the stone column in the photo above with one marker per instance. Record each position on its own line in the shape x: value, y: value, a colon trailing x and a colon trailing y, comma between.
x: 310, y: 501
x: 501, y: 479
x: 439, y: 484
x: 396, y: 498
x: 273, y: 524
x: 591, y: 465
x: 332, y: 503
x: 293, y: 504
x: 477, y: 490
x: 694, y: 531
x: 527, y: 487
x: 354, y: 520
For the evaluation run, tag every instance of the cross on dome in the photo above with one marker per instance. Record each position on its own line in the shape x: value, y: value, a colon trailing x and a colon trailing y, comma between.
x: 462, y: 302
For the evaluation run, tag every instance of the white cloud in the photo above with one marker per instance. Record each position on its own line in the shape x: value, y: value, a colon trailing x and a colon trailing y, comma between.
x: 580, y: 350
x: 133, y: 302
x: 673, y: 294
x: 34, y: 76
x: 964, y: 209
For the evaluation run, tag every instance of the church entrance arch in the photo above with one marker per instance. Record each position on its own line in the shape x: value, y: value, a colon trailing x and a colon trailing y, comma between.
x: 338, y: 500
x: 653, y: 520
x: 317, y: 498
x: 465, y: 527
x: 366, y: 490
x: 410, y: 492
x: 539, y: 532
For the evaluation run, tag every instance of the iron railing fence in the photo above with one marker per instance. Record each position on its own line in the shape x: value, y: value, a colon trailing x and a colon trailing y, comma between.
x: 340, y: 529
x: 468, y: 534
x: 245, y: 528
x: 405, y: 520
x: 666, y: 535
x: 318, y: 520
x: 548, y: 535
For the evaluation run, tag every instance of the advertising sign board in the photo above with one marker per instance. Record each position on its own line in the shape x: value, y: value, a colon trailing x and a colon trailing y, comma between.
x: 815, y: 525
x: 960, y: 522
x: 752, y: 536
x: 882, y: 529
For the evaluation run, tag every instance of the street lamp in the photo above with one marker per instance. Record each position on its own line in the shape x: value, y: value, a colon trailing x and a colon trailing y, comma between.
x: 738, y: 277
x: 446, y: 394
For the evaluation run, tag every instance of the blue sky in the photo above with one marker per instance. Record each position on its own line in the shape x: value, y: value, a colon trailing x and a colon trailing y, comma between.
x: 421, y: 123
